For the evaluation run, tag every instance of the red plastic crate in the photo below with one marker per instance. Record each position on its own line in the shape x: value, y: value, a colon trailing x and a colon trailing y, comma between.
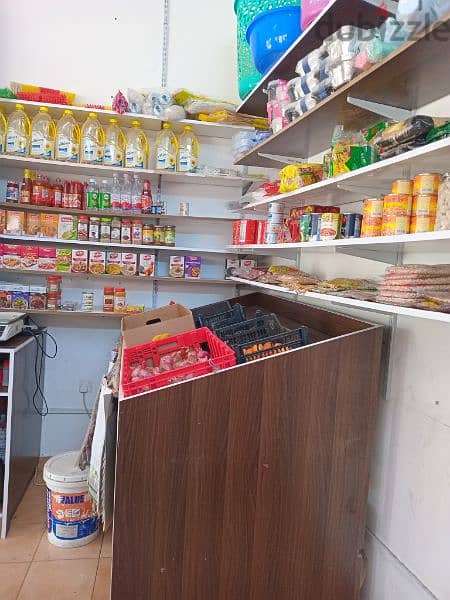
x: 221, y: 357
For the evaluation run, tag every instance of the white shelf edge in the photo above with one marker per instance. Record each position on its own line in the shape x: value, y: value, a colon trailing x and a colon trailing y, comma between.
x: 352, y: 303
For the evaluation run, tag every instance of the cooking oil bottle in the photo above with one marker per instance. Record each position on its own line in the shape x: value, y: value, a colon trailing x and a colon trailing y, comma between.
x: 166, y: 149
x: 67, y: 138
x: 2, y: 132
x: 92, y: 141
x: 114, y: 144
x: 18, y: 132
x: 137, y: 150
x: 43, y: 134
x: 188, y: 151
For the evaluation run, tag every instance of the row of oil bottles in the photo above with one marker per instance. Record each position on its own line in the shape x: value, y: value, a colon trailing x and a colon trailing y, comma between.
x: 92, y: 144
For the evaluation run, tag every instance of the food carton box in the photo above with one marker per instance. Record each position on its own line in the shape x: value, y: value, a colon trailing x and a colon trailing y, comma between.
x: 79, y: 261
x: 247, y: 262
x: 67, y: 227
x: 47, y: 259
x: 176, y: 266
x: 20, y: 297
x: 11, y: 256
x: 15, y: 222
x: 97, y: 262
x: 114, y: 263
x: 38, y: 297
x: 5, y: 295
x: 33, y: 224
x: 142, y: 328
x: 129, y: 264
x: 49, y: 225
x: 29, y: 257
x: 147, y: 264
x: 63, y: 259
x: 2, y: 220
x: 231, y: 263
x: 192, y: 266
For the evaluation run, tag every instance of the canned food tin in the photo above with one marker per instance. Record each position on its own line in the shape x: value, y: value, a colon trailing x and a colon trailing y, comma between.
x: 276, y: 207
x: 271, y: 238
x: 358, y: 223
x: 398, y: 204
x: 348, y: 225
x: 403, y: 186
x: 275, y: 218
x: 316, y: 219
x: 373, y: 207
x: 421, y: 224
x: 426, y: 183
x: 424, y: 204
x: 395, y: 225
x: 305, y: 227
x: 330, y: 226
x: 372, y: 229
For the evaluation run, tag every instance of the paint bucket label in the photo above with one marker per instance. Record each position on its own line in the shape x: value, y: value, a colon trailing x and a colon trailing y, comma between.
x: 70, y: 516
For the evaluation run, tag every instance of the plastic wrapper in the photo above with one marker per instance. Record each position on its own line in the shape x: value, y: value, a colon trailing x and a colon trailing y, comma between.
x: 225, y: 116
x: 438, y: 133
x: 404, y: 132
x: 350, y: 151
x: 322, y: 89
x: 195, y: 104
x: 311, y: 61
x: 293, y: 177
x: 342, y: 73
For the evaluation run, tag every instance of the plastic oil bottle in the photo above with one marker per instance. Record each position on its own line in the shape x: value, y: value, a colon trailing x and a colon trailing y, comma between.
x: 92, y: 141
x: 2, y: 132
x: 188, y: 151
x: 137, y: 150
x: 166, y: 149
x: 18, y: 132
x: 43, y: 134
x: 114, y: 144
x: 68, y: 134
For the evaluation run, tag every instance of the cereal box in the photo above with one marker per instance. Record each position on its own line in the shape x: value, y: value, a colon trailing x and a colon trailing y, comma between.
x: 49, y: 225
x: 67, y: 227
x: 11, y: 256
x: 147, y: 265
x: 176, y: 266
x: 231, y: 263
x: 33, y: 224
x: 192, y: 266
x: 29, y: 256
x: 79, y: 261
x: 63, y: 259
x: 114, y: 263
x: 47, y: 259
x: 129, y: 263
x: 15, y: 222
x: 97, y: 262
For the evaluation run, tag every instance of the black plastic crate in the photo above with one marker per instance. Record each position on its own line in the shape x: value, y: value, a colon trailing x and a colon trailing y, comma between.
x: 209, y: 310
x: 229, y: 317
x: 278, y: 343
x: 251, y: 330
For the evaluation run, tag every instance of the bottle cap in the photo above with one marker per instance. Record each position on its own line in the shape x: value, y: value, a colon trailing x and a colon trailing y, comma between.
x: 136, y: 123
x: 43, y: 109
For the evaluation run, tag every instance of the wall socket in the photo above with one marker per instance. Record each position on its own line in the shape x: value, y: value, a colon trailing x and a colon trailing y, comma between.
x: 85, y: 387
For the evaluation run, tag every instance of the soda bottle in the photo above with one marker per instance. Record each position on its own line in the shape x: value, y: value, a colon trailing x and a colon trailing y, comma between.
x: 104, y: 198
x: 136, y: 194
x: 125, y: 193
x: 92, y: 195
x: 115, y: 193
x: 146, y: 200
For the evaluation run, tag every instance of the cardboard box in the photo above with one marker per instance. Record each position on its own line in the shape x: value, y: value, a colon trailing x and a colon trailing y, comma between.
x: 97, y: 262
x: 15, y: 222
x: 63, y: 259
x: 79, y: 261
x: 147, y: 265
x: 176, y: 266
x: 33, y: 224
x: 142, y: 328
x: 129, y: 264
x: 47, y: 259
x: 12, y: 258
x: 29, y: 257
x: 192, y: 266
x: 67, y: 227
x: 49, y: 225
x: 114, y: 263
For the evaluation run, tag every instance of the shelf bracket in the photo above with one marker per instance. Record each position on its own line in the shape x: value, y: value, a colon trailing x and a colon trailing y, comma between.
x: 384, y: 110
x: 387, y: 255
x: 287, y: 160
x: 384, y: 7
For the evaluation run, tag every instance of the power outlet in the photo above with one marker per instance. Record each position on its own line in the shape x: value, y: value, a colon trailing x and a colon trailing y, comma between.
x: 85, y: 387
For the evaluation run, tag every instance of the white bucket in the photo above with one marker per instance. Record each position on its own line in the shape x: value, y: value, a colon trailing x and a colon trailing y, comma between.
x: 72, y: 521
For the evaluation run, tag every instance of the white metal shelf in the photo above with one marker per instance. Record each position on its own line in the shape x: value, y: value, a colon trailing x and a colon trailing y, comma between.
x: 148, y: 122
x: 351, y: 302
x: 86, y: 170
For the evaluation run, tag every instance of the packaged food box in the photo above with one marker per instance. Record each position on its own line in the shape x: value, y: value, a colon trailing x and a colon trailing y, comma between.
x: 38, y: 297
x: 139, y: 329
x: 15, y: 222
x: 49, y: 225
x: 176, y: 266
x: 114, y: 263
x: 147, y: 265
x: 231, y: 263
x: 247, y: 262
x: 129, y: 264
x: 20, y: 297
x: 63, y: 259
x: 67, y: 227
x: 12, y: 256
x: 47, y: 259
x: 33, y: 224
x: 29, y: 257
x: 1, y: 256
x: 97, y: 262
x: 2, y: 220
x: 192, y: 266
x: 79, y: 261
x: 330, y: 226
x: 5, y: 295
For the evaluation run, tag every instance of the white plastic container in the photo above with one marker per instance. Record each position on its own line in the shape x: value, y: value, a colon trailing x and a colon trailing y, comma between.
x: 72, y: 520
x: 43, y: 134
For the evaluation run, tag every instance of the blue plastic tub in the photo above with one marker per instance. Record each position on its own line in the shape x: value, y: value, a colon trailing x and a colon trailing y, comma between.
x: 271, y: 33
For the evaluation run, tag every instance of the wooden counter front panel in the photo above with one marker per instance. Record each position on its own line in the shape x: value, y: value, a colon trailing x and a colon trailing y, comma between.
x: 250, y: 484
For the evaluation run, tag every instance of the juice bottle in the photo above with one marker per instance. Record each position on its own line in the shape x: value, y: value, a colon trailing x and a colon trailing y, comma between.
x: 2, y: 132
x: 114, y: 144
x: 67, y: 145
x: 115, y: 193
x: 166, y: 149
x: 146, y: 199
x: 92, y: 141
x: 125, y: 193
x: 18, y: 132
x: 137, y: 150
x: 136, y: 194
x: 188, y: 151
x: 43, y: 133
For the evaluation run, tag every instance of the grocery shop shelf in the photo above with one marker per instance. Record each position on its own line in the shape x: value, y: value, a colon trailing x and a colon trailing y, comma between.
x: 71, y: 313
x: 351, y: 303
x: 109, y: 213
x: 148, y: 122
x: 409, y: 78
x: 434, y: 157
x: 3, y: 391
x: 71, y: 169
x: 7, y: 238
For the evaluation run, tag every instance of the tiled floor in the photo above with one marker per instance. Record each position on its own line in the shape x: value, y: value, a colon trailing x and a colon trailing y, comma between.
x: 33, y: 569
